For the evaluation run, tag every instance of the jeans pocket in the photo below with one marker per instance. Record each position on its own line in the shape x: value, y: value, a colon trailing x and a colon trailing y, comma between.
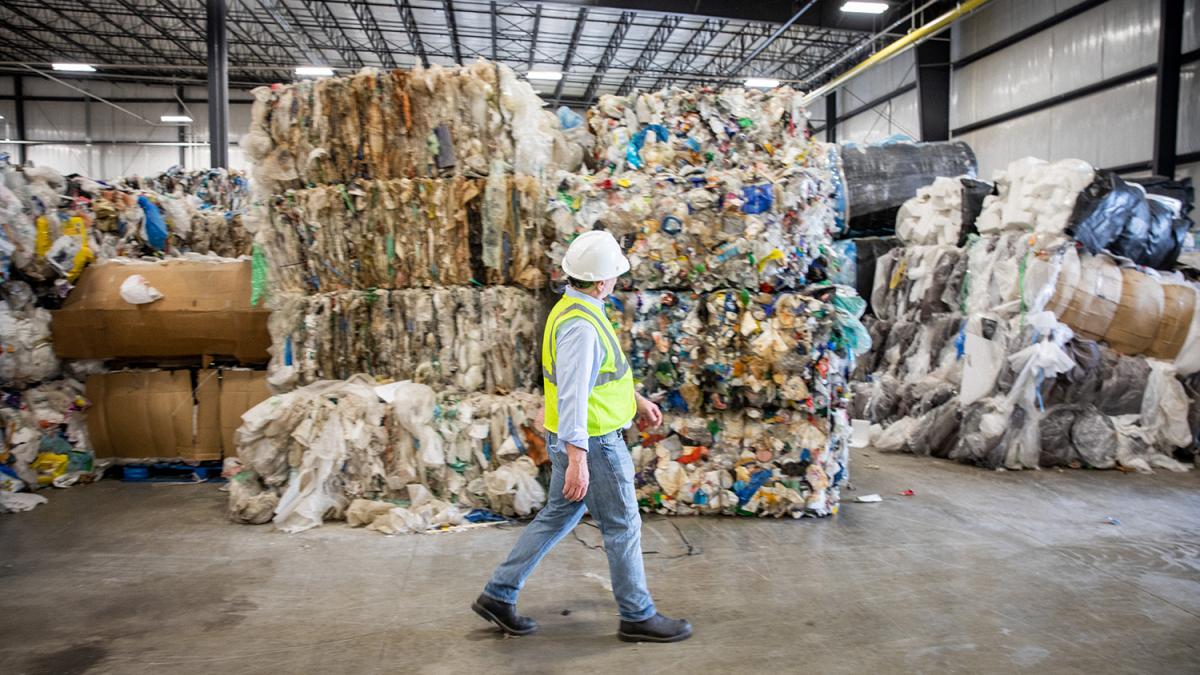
x: 617, y: 455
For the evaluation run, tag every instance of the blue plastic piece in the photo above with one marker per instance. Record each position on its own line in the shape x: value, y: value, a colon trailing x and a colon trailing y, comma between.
x: 156, y: 226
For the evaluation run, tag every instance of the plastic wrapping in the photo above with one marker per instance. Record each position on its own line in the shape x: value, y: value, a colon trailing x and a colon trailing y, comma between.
x: 1114, y: 215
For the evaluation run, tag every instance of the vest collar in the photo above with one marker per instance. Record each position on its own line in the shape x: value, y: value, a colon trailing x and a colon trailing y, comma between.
x: 577, y: 295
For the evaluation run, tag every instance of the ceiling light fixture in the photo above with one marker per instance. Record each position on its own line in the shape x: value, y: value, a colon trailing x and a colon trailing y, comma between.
x: 865, y: 7
x: 314, y: 71
x: 176, y: 119
x: 762, y: 82
x: 73, y: 67
x: 544, y: 75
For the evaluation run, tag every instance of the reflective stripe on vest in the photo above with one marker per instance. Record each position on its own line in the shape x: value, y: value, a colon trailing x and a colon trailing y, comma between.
x: 614, y: 348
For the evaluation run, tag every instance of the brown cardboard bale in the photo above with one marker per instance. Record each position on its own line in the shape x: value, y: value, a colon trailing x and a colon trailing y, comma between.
x: 207, y: 437
x: 1138, y: 315
x: 241, y: 390
x: 205, y: 310
x: 1179, y: 308
x: 95, y: 390
x: 1091, y: 308
x: 141, y: 414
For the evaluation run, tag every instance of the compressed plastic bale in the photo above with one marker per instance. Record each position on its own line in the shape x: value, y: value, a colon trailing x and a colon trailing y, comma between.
x: 1165, y: 408
x: 1092, y: 307
x: 1095, y: 439
x: 1139, y: 313
x: 983, y: 426
x: 934, y: 215
x: 1124, y: 385
x: 1055, y: 436
x: 937, y: 431
x: 1082, y: 383
x: 1179, y: 310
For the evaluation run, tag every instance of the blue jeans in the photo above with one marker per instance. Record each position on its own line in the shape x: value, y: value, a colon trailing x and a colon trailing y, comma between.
x: 611, y: 501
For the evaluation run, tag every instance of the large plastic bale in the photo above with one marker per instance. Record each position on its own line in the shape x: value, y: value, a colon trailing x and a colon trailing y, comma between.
x: 1055, y: 435
x: 1104, y: 209
x: 1112, y: 214
x: 1138, y: 315
x: 1124, y: 384
x: 974, y: 192
x: 1094, y: 303
x: 881, y: 177
x: 983, y: 425
x: 937, y: 431
x: 1095, y: 439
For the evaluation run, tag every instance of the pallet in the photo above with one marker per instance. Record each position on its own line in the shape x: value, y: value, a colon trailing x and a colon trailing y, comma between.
x: 170, y: 472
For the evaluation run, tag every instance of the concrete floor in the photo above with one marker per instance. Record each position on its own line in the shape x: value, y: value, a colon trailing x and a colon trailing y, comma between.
x: 979, y: 572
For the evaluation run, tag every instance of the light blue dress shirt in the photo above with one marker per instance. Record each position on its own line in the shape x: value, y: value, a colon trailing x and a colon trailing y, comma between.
x: 577, y: 365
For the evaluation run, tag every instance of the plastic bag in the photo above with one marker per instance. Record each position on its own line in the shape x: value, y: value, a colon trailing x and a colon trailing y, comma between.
x: 137, y: 291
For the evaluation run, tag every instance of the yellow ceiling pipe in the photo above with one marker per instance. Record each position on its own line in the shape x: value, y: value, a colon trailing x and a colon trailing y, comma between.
x: 898, y: 46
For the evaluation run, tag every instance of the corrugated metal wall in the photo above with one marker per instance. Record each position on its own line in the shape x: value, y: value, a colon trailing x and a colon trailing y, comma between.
x: 1110, y: 128
x: 87, y: 119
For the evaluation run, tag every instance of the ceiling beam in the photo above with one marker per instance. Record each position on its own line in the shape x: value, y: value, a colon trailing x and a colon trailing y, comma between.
x: 537, y: 24
x: 413, y: 29
x: 337, y: 36
x: 654, y: 45
x: 452, y: 24
x: 379, y: 45
x: 610, y: 50
x: 570, y: 55
x: 701, y: 38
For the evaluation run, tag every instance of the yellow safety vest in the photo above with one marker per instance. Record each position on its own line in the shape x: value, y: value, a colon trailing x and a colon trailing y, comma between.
x: 611, y: 403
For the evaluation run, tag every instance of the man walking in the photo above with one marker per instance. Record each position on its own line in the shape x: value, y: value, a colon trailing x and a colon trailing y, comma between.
x: 590, y: 401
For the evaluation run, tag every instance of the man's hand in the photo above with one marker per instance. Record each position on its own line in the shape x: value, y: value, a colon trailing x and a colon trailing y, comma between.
x: 576, y: 485
x: 648, y: 412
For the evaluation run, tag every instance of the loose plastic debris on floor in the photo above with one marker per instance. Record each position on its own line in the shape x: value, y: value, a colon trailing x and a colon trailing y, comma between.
x: 1022, y: 349
x: 337, y: 450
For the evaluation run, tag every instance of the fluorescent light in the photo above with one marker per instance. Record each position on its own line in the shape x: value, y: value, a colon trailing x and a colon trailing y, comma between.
x: 865, y: 7
x: 762, y: 82
x: 176, y: 118
x: 73, y: 67
x: 314, y: 71
x: 545, y: 75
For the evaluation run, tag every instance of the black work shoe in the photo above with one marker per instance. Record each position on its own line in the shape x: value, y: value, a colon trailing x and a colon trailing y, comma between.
x: 504, y: 615
x: 657, y: 628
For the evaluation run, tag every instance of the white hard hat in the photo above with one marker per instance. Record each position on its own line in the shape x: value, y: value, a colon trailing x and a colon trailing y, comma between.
x: 595, y: 256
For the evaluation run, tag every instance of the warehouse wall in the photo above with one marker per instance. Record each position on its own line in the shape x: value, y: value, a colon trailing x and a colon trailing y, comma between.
x: 140, y: 149
x: 898, y: 116
x: 1109, y: 128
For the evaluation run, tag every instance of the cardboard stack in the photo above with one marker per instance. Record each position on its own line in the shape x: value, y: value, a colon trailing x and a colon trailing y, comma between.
x: 166, y: 400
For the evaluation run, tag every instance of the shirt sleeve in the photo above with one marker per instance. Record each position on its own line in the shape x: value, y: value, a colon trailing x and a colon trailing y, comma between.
x: 579, y: 355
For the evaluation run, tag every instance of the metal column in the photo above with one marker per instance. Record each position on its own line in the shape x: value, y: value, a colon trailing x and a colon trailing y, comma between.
x: 181, y: 133
x: 1166, y: 99
x: 19, y: 102
x: 933, y: 88
x: 218, y: 84
x: 831, y: 117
